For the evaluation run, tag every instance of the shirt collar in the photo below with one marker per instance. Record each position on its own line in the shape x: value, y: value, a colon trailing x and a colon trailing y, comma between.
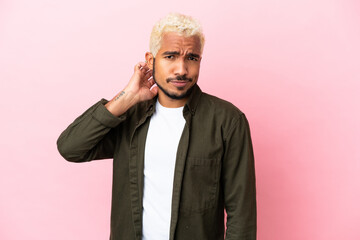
x: 193, y: 99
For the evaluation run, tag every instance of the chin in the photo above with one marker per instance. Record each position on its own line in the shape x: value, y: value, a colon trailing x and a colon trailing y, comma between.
x: 178, y: 95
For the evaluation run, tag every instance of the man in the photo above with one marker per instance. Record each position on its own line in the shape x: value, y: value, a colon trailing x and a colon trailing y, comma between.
x: 180, y: 156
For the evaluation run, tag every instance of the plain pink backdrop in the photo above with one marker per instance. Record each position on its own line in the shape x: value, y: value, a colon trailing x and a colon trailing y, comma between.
x: 291, y: 66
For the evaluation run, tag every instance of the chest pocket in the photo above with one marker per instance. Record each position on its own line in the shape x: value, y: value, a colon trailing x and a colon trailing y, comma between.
x: 200, y: 184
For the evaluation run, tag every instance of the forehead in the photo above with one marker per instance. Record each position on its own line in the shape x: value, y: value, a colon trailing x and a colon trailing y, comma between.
x: 172, y: 41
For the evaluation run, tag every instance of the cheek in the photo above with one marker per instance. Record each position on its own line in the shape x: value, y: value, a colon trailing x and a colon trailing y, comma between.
x: 163, y: 68
x: 195, y: 70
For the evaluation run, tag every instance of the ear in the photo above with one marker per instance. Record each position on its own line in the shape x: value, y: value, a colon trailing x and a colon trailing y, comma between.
x: 149, y: 59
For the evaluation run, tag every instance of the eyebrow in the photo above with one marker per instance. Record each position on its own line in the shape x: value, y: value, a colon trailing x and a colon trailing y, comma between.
x: 170, y: 53
x: 178, y: 53
x: 194, y: 55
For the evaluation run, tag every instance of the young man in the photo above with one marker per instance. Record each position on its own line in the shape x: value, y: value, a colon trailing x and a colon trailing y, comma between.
x: 180, y: 156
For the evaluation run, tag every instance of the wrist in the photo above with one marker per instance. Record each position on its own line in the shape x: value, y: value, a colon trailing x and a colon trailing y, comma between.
x: 121, y: 102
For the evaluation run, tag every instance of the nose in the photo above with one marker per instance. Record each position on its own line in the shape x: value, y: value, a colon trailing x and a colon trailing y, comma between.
x: 181, y: 67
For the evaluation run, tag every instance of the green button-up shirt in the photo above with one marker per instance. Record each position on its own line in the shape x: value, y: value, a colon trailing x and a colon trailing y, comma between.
x: 214, y: 167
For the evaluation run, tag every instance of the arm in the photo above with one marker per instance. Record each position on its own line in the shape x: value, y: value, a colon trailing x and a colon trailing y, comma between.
x: 238, y: 179
x: 93, y: 134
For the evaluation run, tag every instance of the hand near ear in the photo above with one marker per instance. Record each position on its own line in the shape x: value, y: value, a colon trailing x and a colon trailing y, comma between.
x: 140, y: 88
x: 141, y: 83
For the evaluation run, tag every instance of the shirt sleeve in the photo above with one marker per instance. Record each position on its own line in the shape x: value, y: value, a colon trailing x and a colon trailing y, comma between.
x: 238, y: 179
x: 91, y: 136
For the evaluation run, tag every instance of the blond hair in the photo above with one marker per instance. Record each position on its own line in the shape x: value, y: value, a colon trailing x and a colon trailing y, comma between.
x: 175, y: 22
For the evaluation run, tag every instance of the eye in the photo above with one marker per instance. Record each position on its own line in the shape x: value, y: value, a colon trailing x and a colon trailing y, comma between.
x: 169, y: 56
x: 192, y: 58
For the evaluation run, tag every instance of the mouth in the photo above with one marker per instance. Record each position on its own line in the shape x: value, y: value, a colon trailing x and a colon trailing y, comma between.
x: 179, y: 83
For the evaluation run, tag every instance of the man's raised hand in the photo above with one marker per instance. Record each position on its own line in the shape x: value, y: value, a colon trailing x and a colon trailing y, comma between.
x: 140, y: 88
x: 141, y: 83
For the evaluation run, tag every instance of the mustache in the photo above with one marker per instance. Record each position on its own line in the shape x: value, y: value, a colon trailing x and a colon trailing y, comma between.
x: 179, y: 78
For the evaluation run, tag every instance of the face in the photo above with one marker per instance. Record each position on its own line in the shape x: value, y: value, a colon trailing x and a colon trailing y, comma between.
x: 177, y: 65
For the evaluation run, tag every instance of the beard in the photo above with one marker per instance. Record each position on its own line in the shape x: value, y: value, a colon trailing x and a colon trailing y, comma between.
x: 172, y: 95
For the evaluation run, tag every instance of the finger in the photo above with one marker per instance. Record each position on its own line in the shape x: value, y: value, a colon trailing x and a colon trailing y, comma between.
x: 145, y: 77
x: 151, y: 81
x: 148, y: 84
x: 139, y: 66
x: 149, y: 70
x: 144, y: 69
x: 148, y: 75
x: 154, y: 90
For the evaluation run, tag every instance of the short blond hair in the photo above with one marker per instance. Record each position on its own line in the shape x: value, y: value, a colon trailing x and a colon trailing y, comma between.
x: 175, y: 22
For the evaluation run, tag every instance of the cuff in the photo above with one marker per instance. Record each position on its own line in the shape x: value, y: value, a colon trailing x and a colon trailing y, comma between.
x: 105, y: 117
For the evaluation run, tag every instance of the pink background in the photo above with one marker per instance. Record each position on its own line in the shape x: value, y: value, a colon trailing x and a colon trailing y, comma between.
x: 291, y: 66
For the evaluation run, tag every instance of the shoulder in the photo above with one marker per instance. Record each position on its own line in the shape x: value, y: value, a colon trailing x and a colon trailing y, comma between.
x: 216, y: 106
x: 218, y: 114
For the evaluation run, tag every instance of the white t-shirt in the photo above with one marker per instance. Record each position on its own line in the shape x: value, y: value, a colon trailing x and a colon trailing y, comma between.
x: 165, y: 129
